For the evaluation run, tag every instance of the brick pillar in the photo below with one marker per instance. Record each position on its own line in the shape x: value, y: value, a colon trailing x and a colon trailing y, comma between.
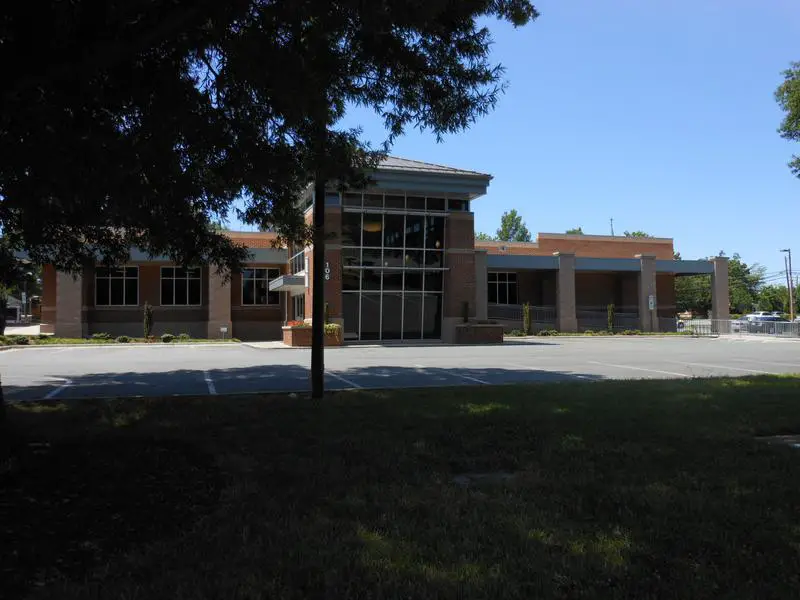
x: 648, y: 319
x: 481, y: 286
x: 219, y: 304
x: 720, y: 299
x: 70, y: 319
x: 566, y: 320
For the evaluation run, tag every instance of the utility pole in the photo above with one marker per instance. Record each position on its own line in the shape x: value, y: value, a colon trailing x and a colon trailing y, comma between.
x: 789, y: 280
x: 612, y: 227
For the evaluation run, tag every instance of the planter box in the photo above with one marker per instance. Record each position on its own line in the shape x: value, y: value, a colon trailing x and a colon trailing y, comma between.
x: 479, y: 334
x: 300, y: 337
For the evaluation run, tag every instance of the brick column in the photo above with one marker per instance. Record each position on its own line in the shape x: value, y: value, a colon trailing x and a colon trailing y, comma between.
x: 481, y: 286
x: 566, y: 320
x: 70, y: 320
x: 720, y: 299
x: 648, y: 319
x: 219, y: 304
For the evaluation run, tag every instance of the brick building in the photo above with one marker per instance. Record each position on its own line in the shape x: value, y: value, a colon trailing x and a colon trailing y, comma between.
x: 401, y: 264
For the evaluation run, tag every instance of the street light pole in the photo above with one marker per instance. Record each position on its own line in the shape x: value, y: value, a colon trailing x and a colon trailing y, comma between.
x: 789, y: 280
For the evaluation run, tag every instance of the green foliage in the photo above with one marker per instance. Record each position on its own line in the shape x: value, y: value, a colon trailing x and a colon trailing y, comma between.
x: 483, y: 237
x: 637, y: 234
x: 516, y: 333
x: 171, y: 98
x: 512, y: 228
x: 788, y: 98
x: 631, y: 332
x: 167, y: 338
x: 101, y: 336
x: 19, y: 340
x: 547, y: 332
x: 773, y: 297
x: 123, y: 339
x: 611, y: 314
x: 333, y: 329
x: 744, y: 282
x: 575, y: 231
x: 526, y: 318
x: 148, y: 319
x: 184, y: 337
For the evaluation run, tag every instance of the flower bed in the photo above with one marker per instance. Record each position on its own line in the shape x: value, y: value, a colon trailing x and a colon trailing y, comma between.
x: 297, y: 334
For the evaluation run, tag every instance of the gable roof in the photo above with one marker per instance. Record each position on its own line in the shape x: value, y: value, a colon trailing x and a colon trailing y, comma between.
x: 396, y: 163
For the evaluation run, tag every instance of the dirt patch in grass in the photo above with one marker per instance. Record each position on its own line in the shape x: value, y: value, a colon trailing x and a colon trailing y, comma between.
x: 66, y: 507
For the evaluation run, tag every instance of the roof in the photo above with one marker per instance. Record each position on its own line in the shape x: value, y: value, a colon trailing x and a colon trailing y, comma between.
x: 395, y: 163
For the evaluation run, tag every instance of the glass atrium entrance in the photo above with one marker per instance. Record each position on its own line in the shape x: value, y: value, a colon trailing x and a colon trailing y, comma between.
x: 392, y: 266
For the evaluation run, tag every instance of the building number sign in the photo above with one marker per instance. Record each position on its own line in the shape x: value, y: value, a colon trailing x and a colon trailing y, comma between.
x: 327, y: 271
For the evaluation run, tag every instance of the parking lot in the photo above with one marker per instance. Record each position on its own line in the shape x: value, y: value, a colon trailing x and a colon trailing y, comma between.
x: 159, y: 370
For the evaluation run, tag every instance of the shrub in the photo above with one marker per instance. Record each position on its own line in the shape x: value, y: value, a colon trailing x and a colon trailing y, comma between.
x: 547, y: 332
x: 184, y: 337
x: 526, y: 318
x: 4, y: 340
x: 516, y: 333
x: 20, y: 340
x: 167, y: 338
x: 101, y: 335
x: 333, y: 329
x: 148, y: 319
x: 43, y: 336
x: 631, y: 332
x: 588, y: 332
x: 123, y: 339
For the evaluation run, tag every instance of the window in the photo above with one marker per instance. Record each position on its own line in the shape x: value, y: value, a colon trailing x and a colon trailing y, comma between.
x: 502, y: 288
x: 299, y: 303
x: 255, y: 287
x: 180, y: 286
x: 116, y: 286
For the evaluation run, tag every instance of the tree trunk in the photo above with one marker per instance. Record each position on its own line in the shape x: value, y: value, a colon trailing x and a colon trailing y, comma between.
x: 318, y: 294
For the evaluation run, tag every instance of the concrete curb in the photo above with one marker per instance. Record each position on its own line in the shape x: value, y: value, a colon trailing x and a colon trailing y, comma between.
x: 116, y: 345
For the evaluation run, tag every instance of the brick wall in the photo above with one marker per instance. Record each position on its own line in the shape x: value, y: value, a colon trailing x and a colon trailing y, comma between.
x: 460, y: 231
x: 459, y: 284
x: 584, y: 245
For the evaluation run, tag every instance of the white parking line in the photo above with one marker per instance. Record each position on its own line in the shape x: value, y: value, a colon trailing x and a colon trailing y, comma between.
x: 212, y: 389
x: 422, y: 369
x: 594, y: 362
x: 722, y: 367
x: 58, y: 390
x: 342, y: 379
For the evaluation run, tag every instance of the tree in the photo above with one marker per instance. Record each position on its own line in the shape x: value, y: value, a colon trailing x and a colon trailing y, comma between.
x: 512, y: 228
x: 140, y: 124
x: 788, y: 97
x: 637, y: 234
x: 483, y: 237
x: 773, y: 297
x: 744, y: 281
x: 575, y: 231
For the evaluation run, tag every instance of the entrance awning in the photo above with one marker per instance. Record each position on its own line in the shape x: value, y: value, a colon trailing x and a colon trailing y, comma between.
x: 294, y: 284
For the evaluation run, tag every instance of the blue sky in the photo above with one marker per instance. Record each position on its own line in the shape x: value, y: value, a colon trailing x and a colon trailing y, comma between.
x: 658, y: 114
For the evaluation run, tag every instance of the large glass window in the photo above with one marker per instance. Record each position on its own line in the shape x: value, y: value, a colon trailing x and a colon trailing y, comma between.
x: 255, y: 287
x: 116, y: 286
x: 180, y: 287
x: 502, y: 288
x: 392, y: 267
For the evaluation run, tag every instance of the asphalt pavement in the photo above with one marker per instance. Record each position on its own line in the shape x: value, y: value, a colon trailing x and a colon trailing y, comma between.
x: 161, y: 370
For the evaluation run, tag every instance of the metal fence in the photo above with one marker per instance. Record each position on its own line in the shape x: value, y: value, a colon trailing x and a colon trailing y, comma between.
x: 595, y: 318
x: 510, y: 315
x: 717, y: 327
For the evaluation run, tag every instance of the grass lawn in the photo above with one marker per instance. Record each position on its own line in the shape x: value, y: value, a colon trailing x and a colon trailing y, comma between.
x: 48, y: 340
x: 632, y: 490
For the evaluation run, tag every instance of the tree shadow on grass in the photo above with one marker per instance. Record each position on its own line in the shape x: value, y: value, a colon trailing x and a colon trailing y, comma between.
x: 66, y: 505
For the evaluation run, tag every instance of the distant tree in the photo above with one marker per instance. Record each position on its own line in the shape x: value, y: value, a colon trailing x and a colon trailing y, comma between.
x: 576, y: 231
x: 788, y: 97
x: 773, y: 297
x: 483, y: 237
x: 512, y: 228
x: 744, y: 283
x: 637, y: 234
